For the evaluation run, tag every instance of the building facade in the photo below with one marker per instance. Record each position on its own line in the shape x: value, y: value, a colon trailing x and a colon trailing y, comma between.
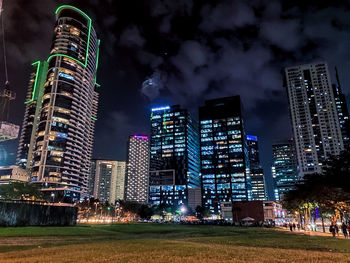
x: 253, y: 151
x: 174, y: 161
x: 342, y: 110
x: 224, y: 153
x: 256, y: 171
x: 258, y: 184
x: 137, y: 167
x: 285, y: 168
x: 61, y: 109
x: 107, y: 180
x: 314, y: 115
x: 9, y: 174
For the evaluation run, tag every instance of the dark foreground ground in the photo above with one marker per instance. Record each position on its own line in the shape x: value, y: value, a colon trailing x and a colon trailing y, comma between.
x: 166, y: 243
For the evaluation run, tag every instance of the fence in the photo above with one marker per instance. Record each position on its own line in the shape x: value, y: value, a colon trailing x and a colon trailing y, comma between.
x: 27, y: 214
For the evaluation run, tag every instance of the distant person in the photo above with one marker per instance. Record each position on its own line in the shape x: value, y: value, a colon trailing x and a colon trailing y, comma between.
x: 291, y: 227
x: 344, y: 228
x: 294, y: 226
x: 332, y: 229
x: 336, y: 229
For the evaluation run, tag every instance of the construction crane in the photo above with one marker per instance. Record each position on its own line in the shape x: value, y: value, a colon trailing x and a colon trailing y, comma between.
x: 8, y: 131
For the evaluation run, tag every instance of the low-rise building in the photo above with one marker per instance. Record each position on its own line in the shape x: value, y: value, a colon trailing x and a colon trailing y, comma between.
x: 13, y: 173
x: 253, y: 212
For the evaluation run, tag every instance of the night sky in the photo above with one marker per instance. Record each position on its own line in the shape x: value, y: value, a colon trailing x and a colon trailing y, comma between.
x: 202, y: 50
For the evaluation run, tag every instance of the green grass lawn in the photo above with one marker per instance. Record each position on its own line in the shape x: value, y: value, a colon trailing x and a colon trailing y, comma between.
x: 165, y: 243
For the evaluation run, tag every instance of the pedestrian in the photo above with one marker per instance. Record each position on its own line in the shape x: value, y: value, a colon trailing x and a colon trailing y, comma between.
x: 291, y: 227
x: 294, y: 226
x: 344, y: 228
x: 332, y: 229
x: 336, y: 229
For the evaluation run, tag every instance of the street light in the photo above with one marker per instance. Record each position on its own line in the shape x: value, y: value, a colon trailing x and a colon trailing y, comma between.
x: 183, y: 209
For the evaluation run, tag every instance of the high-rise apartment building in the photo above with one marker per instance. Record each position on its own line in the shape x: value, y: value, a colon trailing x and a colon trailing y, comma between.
x: 224, y: 154
x: 107, y: 180
x: 284, y: 168
x: 314, y: 115
x: 174, y: 161
x: 256, y: 171
x: 61, y: 109
x: 136, y: 181
x: 342, y: 110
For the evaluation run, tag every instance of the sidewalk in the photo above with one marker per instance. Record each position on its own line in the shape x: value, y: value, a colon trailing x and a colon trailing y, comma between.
x: 311, y: 233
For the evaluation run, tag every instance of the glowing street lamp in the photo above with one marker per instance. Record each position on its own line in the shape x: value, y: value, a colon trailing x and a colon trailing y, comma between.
x: 183, y: 209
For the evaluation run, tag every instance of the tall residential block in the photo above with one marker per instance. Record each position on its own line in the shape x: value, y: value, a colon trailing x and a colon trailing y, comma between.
x: 224, y: 154
x: 314, y: 115
x: 136, y: 181
x: 284, y: 168
x: 174, y: 161
x: 342, y: 110
x: 61, y: 109
x: 107, y: 180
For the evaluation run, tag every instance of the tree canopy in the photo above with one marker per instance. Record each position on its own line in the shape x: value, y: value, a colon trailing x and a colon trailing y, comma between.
x: 20, y: 191
x: 327, y: 192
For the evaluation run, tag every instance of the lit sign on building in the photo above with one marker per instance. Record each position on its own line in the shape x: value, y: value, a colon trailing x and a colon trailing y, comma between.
x: 252, y: 138
x: 143, y: 137
x: 161, y: 108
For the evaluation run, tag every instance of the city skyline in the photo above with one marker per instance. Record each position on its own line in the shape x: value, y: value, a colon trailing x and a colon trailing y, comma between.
x: 264, y: 110
x: 174, y: 130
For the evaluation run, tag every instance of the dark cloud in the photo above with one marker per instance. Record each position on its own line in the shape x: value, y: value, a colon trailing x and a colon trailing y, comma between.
x: 227, y: 15
x: 132, y: 36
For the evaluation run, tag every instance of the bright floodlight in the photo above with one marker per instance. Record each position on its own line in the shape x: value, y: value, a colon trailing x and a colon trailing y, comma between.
x: 183, y: 209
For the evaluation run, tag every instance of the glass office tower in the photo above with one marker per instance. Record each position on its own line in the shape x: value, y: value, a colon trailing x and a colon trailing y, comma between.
x: 224, y: 154
x: 284, y: 169
x: 61, y: 109
x: 256, y: 171
x: 174, y: 162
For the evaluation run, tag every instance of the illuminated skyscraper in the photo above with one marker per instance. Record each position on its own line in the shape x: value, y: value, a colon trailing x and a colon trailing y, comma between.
x: 342, y: 110
x: 256, y: 171
x: 174, y: 161
x: 253, y: 151
x: 284, y: 169
x: 107, y: 180
x: 136, y: 181
x: 224, y: 154
x: 61, y: 109
x: 314, y: 115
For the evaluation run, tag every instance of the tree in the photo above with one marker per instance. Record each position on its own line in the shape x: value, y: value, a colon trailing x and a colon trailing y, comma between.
x: 202, y: 212
x: 325, y: 193
x: 145, y: 212
x: 20, y: 191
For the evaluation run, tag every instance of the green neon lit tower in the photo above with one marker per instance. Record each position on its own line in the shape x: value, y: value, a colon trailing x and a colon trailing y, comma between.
x: 61, y: 109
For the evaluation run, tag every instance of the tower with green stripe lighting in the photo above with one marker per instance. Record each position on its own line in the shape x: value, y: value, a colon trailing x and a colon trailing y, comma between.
x: 61, y: 109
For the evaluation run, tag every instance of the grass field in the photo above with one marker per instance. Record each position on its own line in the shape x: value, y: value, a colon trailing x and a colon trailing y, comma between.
x: 165, y: 243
